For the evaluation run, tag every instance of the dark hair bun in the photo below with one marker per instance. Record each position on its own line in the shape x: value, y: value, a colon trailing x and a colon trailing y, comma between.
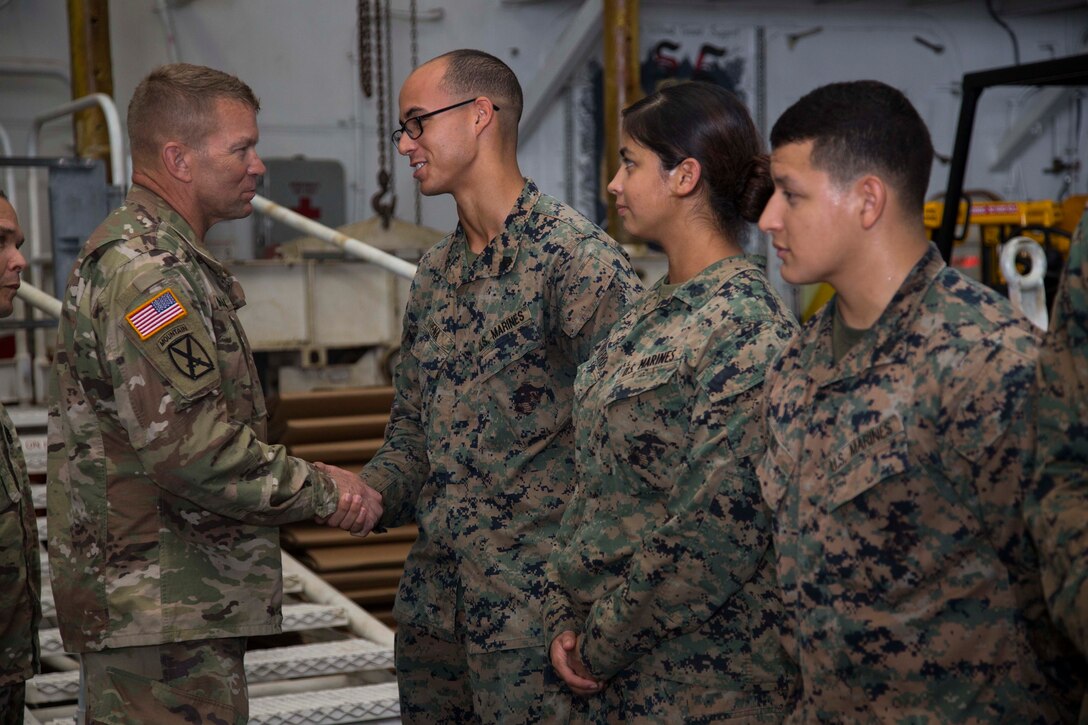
x: 754, y: 188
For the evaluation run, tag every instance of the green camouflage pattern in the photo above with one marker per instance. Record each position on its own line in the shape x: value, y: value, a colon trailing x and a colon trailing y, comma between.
x: 163, y: 496
x: 1058, y: 507
x: 478, y: 451
x: 664, y: 562
x: 196, y: 683
x: 897, y: 479
x: 20, y: 564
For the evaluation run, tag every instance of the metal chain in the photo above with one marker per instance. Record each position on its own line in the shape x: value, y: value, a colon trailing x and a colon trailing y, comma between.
x: 384, y: 201
x: 388, y: 84
x: 366, y: 73
x: 383, y: 142
x: 413, y: 26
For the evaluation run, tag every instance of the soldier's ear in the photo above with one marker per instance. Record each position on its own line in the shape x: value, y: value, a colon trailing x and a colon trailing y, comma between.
x: 176, y: 159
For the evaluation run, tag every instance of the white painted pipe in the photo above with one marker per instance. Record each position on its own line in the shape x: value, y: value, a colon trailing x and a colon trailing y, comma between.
x: 352, y: 246
x: 113, y: 128
x: 316, y: 589
x: 36, y: 298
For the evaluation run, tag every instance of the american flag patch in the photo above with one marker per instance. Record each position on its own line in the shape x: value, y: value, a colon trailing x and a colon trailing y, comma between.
x: 155, y: 314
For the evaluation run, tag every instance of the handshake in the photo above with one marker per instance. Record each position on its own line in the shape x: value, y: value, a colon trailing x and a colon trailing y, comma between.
x: 359, y: 507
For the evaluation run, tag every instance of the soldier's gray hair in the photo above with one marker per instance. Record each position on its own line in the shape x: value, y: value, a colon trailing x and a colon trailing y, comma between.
x: 177, y: 102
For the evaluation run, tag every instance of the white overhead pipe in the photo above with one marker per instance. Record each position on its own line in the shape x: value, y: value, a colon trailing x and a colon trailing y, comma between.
x: 113, y: 128
x: 352, y: 246
x: 36, y: 298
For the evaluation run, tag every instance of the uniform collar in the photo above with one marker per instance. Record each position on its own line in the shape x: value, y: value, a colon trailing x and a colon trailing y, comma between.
x: 500, y: 254
x: 183, y: 233
x: 704, y: 286
x: 884, y: 341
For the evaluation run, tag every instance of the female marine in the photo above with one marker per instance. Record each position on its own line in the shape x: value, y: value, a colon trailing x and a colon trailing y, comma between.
x: 662, y: 600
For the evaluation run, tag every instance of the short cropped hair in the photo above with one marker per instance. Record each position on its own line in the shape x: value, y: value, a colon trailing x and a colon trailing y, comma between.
x: 709, y: 124
x: 3, y: 195
x: 862, y: 127
x: 473, y: 73
x: 177, y: 102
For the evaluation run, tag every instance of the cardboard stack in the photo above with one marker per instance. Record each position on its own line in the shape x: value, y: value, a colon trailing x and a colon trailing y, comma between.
x: 343, y: 428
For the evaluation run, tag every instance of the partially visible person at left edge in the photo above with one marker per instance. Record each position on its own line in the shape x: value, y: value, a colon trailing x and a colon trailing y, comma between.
x: 1057, y: 507
x: 20, y: 567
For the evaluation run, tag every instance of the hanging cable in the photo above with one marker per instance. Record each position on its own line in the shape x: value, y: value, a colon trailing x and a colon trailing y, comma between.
x: 1003, y: 24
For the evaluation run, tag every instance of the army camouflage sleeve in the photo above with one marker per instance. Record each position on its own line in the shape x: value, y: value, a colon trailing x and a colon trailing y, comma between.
x: 1057, y: 505
x: 400, y: 468
x: 717, y: 531
x: 595, y: 285
x: 178, y: 423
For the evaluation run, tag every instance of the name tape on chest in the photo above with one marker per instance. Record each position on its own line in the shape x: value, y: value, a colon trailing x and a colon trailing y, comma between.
x: 155, y: 314
x: 861, y: 444
x: 507, y: 324
x: 652, y: 360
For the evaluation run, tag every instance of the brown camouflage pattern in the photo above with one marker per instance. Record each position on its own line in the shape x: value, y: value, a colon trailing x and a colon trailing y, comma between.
x: 478, y: 451
x: 664, y: 563
x: 897, y: 482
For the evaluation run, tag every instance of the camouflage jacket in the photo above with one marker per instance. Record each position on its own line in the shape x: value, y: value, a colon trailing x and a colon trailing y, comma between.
x: 1058, y: 507
x: 479, y: 447
x: 163, y: 496
x: 20, y: 564
x: 896, y: 478
x: 664, y: 562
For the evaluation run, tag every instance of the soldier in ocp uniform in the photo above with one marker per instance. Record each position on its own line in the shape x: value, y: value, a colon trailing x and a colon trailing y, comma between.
x: 478, y: 449
x: 20, y: 563
x: 663, y: 590
x: 899, y: 448
x: 164, y: 498
x: 1057, y: 509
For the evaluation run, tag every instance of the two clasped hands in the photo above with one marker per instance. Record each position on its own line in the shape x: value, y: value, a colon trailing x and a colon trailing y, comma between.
x: 359, y: 507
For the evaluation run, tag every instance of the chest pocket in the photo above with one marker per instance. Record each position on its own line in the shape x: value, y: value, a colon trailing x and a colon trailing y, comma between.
x: 879, y: 458
x: 645, y: 421
x: 524, y: 399
x: 240, y: 382
x: 432, y: 361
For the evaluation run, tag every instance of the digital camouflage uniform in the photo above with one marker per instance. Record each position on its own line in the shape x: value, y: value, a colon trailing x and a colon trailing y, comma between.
x: 664, y: 562
x: 479, y: 448
x: 163, y: 497
x: 20, y: 576
x: 897, y: 478
x: 1058, y: 508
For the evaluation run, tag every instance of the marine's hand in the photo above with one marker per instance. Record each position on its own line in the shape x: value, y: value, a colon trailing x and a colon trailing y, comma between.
x: 360, y: 506
x: 568, y: 665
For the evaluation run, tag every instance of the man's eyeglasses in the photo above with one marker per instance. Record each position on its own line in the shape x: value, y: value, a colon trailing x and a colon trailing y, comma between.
x: 414, y: 125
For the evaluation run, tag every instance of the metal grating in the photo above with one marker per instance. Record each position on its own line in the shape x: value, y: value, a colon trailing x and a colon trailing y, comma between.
x: 282, y: 663
x: 328, y: 707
